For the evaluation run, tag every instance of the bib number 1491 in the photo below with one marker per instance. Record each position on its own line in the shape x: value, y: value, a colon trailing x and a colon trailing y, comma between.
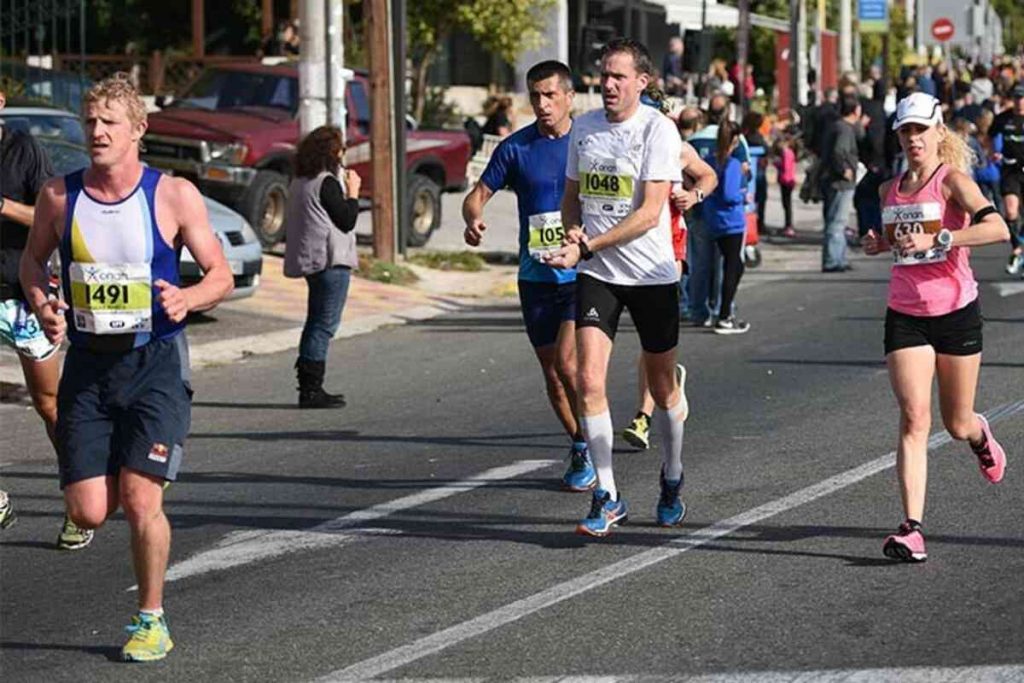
x: 110, y: 295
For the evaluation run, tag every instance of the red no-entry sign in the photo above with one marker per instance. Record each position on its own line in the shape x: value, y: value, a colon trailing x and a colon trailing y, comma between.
x: 943, y: 29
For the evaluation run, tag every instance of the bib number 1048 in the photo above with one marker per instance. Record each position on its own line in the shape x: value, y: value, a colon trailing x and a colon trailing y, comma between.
x: 602, y: 183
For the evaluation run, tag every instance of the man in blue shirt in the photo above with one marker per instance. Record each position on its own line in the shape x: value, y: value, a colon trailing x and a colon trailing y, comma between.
x: 531, y: 162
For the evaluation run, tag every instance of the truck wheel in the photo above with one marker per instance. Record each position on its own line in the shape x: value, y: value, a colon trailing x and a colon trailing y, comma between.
x: 424, y: 209
x: 263, y: 205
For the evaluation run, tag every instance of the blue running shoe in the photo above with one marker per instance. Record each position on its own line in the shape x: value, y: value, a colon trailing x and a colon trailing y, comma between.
x: 604, y: 513
x: 670, y: 510
x: 580, y: 476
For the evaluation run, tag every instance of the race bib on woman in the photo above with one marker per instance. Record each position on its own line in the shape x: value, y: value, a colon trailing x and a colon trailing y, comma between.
x: 112, y: 298
x: 913, y: 219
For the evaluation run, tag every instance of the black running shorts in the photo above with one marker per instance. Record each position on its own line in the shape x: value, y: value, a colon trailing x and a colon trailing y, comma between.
x: 654, y: 309
x: 117, y: 410
x: 1012, y: 182
x: 954, y: 334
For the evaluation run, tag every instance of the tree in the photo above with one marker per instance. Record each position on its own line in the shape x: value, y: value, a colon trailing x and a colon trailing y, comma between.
x: 503, y: 28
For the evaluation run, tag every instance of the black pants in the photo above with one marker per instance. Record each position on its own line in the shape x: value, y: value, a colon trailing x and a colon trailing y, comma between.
x: 731, y: 247
x: 787, y: 203
x: 761, y: 199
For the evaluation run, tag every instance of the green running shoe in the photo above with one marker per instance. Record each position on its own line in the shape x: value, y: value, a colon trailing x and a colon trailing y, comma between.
x: 72, y: 537
x: 150, y: 640
x: 638, y: 433
x: 7, y: 516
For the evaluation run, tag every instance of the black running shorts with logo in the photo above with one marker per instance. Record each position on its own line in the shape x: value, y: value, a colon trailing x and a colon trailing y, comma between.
x: 954, y: 334
x: 119, y: 410
x: 654, y: 309
x: 1012, y: 182
x: 545, y: 306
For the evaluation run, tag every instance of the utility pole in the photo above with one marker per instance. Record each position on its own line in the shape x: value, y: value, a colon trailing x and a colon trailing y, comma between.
x: 742, y: 43
x: 312, y: 76
x: 795, y: 45
x: 803, y: 54
x: 845, y: 36
x: 398, y: 31
x: 334, y: 63
x: 382, y: 138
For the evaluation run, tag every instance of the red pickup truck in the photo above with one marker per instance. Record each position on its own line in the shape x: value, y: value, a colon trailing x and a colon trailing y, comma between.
x: 234, y: 132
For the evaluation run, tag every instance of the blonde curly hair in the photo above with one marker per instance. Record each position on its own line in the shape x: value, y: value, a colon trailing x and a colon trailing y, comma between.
x: 118, y: 88
x: 954, y: 151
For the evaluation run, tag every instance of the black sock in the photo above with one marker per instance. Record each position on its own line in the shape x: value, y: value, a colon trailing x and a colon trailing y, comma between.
x: 579, y: 438
x: 643, y: 415
x: 981, y: 445
x: 913, y: 524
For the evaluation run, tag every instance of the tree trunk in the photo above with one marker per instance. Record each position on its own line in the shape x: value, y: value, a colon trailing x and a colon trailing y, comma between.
x: 419, y: 91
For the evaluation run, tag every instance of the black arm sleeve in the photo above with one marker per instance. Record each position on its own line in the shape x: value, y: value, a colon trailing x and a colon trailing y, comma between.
x: 343, y: 212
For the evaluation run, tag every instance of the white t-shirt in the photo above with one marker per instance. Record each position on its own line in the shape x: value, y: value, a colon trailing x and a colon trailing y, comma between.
x: 611, y: 161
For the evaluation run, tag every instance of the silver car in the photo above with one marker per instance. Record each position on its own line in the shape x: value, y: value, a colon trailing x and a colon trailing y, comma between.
x: 60, y: 133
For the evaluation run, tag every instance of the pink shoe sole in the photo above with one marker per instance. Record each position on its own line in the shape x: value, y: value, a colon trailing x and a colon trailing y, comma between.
x: 898, y: 548
x: 994, y: 472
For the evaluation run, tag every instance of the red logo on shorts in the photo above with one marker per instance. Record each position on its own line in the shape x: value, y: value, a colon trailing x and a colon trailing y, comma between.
x: 158, y: 453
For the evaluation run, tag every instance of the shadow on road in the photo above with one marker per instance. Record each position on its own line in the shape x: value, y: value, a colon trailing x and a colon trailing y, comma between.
x: 110, y: 652
x: 858, y: 363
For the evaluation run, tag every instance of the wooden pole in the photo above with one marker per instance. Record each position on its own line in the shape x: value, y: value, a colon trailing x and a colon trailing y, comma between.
x: 267, y: 19
x: 378, y: 34
x: 198, y: 29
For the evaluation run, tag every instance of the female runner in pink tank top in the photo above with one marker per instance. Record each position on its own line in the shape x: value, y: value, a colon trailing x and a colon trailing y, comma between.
x: 932, y: 214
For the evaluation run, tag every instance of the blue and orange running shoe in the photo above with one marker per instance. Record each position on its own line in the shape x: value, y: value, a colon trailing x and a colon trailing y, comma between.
x: 671, y: 509
x: 150, y: 639
x: 581, y: 475
x: 604, y: 514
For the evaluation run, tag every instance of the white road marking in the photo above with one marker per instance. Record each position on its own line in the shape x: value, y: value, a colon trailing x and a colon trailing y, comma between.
x: 245, y: 547
x: 1005, y: 289
x: 441, y: 640
x: 936, y: 674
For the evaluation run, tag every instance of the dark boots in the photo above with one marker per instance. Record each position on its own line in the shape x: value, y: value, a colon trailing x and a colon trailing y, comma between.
x: 311, y: 386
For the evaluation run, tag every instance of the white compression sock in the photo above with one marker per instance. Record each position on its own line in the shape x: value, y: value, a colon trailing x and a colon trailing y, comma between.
x: 669, y: 423
x: 599, y: 432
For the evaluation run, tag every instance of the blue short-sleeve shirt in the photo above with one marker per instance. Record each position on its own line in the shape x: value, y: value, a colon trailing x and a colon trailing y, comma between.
x: 533, y: 166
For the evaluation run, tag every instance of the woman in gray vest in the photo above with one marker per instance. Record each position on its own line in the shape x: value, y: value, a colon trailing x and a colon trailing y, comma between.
x: 323, y: 204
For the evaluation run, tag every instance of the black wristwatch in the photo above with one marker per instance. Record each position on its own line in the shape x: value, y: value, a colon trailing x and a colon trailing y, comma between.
x: 585, y: 253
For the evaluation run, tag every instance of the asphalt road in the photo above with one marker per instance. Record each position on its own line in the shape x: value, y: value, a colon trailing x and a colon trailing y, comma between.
x: 420, y: 532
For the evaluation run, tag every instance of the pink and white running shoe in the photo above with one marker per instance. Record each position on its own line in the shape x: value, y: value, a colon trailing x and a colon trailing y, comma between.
x: 991, y: 456
x: 906, y: 545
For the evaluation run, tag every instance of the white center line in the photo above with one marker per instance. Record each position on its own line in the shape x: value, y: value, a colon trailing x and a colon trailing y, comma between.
x: 245, y: 547
x: 441, y: 640
x: 922, y: 674
x: 1005, y: 289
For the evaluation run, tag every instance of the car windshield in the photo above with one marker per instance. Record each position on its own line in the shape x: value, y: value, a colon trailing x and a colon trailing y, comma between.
x: 65, y: 157
x: 222, y: 89
x: 45, y: 126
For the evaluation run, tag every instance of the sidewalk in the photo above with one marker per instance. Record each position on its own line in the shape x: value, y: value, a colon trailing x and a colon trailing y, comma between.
x: 271, y: 320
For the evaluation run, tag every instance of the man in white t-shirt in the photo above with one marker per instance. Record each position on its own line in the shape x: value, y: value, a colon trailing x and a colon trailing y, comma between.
x: 621, y: 165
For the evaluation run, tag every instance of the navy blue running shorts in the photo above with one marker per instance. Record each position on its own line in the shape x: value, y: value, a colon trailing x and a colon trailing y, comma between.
x: 115, y: 410
x: 546, y: 305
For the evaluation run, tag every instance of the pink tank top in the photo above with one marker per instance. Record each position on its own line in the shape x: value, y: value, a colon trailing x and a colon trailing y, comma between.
x: 936, y: 282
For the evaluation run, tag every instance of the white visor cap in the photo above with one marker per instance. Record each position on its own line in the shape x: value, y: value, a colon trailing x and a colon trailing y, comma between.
x: 920, y: 108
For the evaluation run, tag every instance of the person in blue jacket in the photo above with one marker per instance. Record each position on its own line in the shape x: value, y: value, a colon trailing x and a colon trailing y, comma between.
x: 727, y: 223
